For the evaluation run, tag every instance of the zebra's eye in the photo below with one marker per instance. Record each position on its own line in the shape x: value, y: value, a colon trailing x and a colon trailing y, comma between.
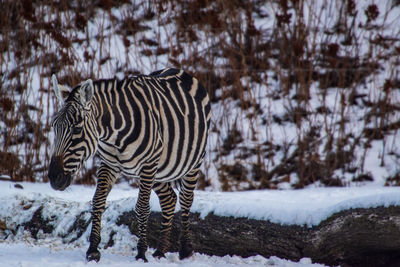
x: 76, y: 130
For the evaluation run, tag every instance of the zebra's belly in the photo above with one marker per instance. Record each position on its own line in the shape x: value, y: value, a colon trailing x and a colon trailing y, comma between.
x: 160, y: 176
x: 171, y: 167
x: 175, y: 167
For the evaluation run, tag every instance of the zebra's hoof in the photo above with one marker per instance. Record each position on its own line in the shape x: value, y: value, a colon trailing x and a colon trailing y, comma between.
x: 93, y: 255
x: 141, y: 256
x: 158, y: 254
x: 185, y: 252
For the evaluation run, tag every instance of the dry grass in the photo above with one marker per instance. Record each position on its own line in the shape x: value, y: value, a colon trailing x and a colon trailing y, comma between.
x: 301, y: 58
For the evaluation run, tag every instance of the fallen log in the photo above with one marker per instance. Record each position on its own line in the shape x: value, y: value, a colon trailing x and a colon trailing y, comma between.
x: 356, y: 237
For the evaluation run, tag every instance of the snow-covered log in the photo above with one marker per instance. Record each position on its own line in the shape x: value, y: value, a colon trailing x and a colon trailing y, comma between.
x: 356, y: 237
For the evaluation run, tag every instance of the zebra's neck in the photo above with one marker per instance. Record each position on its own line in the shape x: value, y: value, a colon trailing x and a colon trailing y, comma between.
x: 104, y: 102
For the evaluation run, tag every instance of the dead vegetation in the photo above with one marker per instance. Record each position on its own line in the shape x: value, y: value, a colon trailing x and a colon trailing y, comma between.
x: 325, y: 73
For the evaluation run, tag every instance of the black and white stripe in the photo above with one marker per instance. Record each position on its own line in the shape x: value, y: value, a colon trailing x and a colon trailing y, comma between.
x: 151, y: 126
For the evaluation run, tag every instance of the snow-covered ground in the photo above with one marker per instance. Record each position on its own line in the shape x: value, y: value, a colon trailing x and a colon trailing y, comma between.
x: 301, y: 207
x: 29, y: 255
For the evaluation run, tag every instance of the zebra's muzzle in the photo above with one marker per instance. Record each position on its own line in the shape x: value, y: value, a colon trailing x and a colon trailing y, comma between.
x: 59, y: 180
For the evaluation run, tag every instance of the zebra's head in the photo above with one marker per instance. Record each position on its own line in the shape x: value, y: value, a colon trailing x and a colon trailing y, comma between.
x: 75, y: 132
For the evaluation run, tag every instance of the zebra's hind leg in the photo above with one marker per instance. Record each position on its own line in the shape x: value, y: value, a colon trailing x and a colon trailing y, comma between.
x: 167, y: 199
x: 106, y: 178
x: 143, y: 208
x: 186, y: 199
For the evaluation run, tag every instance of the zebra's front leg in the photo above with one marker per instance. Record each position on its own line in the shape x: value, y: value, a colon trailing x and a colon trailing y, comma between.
x: 185, y: 200
x: 143, y: 211
x: 106, y: 178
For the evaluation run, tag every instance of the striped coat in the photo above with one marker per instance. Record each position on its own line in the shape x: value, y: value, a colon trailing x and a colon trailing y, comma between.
x: 168, y: 123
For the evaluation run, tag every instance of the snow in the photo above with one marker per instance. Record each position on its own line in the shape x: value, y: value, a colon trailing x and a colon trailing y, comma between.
x: 300, y: 207
x: 307, y: 206
x: 16, y: 255
x: 22, y: 250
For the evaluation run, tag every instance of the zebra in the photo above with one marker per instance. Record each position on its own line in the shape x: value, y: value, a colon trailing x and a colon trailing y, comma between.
x: 154, y: 127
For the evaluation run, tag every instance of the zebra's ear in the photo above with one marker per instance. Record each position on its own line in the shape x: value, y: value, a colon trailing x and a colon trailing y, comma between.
x: 61, y: 91
x: 86, y: 92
